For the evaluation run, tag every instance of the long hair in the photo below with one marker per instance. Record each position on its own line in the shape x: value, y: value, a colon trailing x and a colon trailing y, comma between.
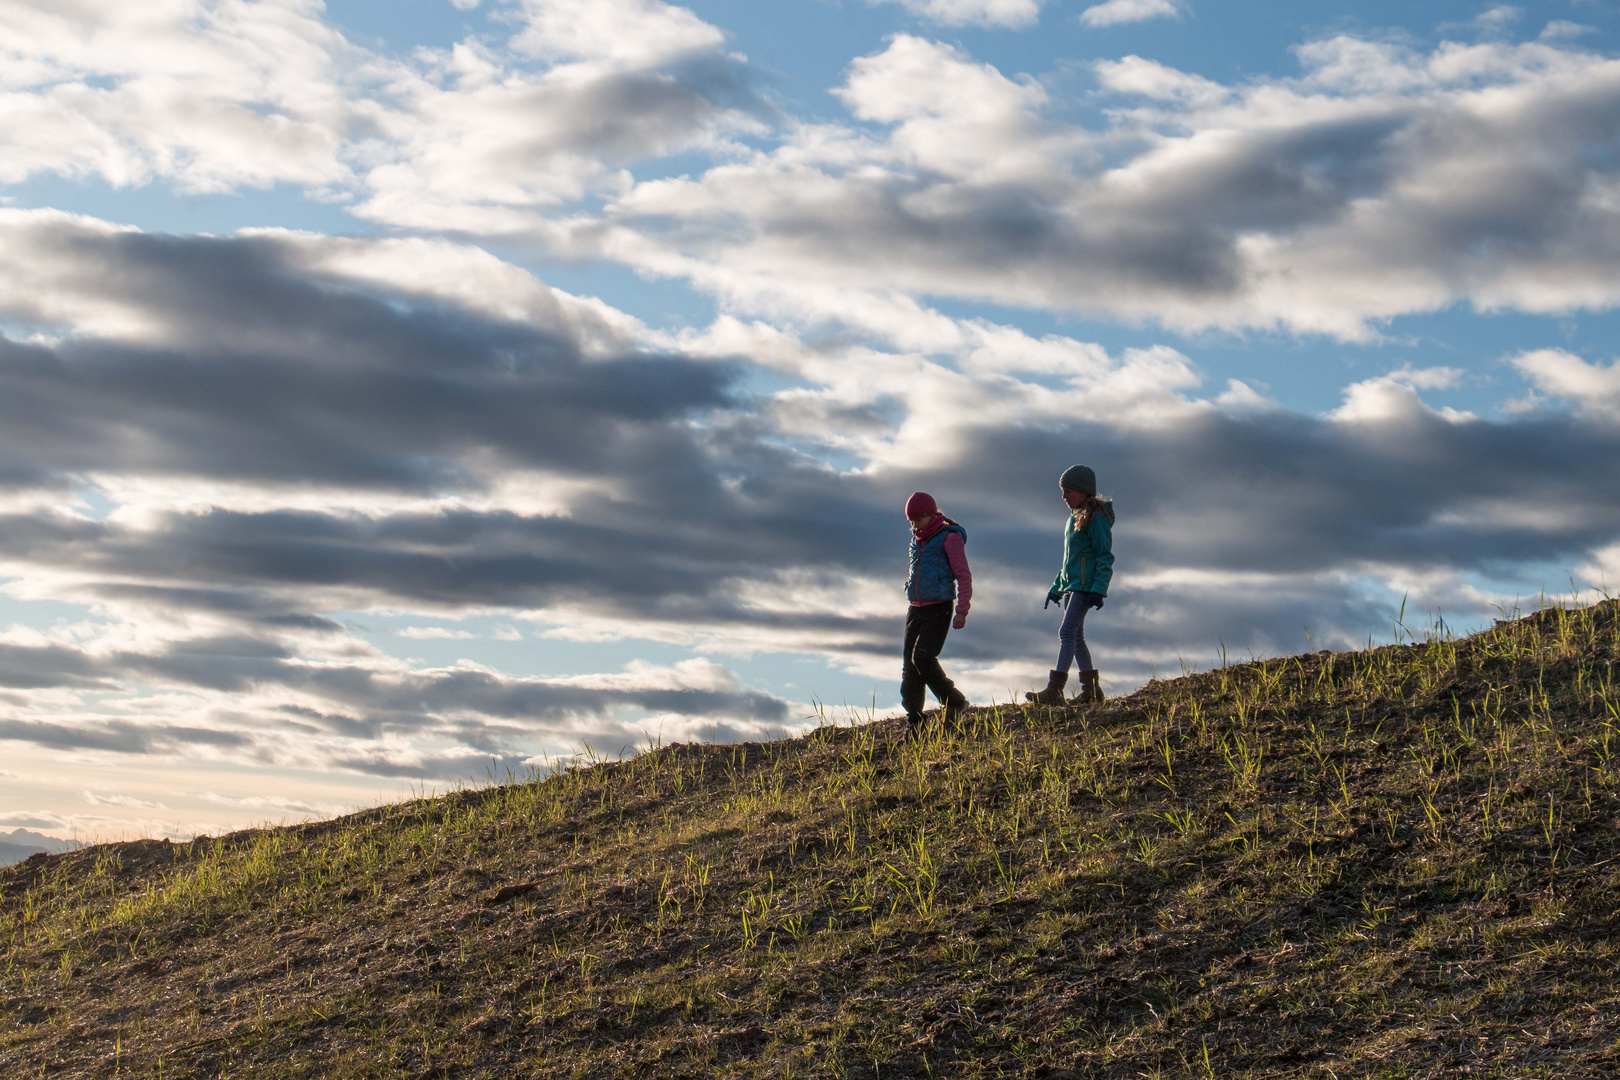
x: 1093, y: 504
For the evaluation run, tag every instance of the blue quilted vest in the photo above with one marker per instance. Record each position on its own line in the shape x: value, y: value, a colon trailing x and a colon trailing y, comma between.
x: 931, y: 577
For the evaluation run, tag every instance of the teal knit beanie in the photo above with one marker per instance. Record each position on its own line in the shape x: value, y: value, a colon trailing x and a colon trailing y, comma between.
x: 1080, y: 478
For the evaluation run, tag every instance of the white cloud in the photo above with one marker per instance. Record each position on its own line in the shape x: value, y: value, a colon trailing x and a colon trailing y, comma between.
x: 278, y: 804
x: 951, y: 115
x: 1564, y: 30
x: 1602, y: 571
x: 215, y: 96
x: 470, y: 277
x: 1241, y: 399
x: 1593, y: 388
x: 434, y: 633
x: 1134, y: 75
x: 485, y: 139
x: 129, y: 802
x: 209, y: 94
x: 1382, y: 181
x: 634, y: 33
x: 1014, y: 13
x: 1115, y: 12
x: 1393, y: 398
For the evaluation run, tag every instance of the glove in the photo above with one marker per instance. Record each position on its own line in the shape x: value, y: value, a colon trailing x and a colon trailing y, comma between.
x: 1098, y: 603
x: 1052, y: 598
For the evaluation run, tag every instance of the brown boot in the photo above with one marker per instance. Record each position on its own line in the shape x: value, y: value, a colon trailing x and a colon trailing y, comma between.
x: 1090, y: 689
x: 1053, y: 694
x: 954, y: 709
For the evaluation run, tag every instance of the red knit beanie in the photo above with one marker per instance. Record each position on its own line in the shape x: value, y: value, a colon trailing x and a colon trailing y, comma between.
x: 921, y: 504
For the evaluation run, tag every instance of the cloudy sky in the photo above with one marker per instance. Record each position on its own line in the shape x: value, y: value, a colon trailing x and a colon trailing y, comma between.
x: 396, y: 391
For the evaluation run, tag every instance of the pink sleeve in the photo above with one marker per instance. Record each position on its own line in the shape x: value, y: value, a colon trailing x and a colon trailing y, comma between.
x: 957, y: 554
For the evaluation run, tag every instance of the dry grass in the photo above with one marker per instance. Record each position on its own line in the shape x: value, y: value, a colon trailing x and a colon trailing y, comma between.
x: 1399, y: 863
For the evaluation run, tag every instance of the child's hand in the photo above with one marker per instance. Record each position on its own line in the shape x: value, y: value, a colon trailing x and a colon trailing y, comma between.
x: 1053, y: 597
x: 960, y: 620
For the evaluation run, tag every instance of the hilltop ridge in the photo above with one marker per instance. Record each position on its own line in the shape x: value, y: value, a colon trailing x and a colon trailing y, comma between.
x: 1401, y: 862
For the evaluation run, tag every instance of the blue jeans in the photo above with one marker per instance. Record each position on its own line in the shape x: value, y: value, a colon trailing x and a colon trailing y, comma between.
x: 1072, y: 634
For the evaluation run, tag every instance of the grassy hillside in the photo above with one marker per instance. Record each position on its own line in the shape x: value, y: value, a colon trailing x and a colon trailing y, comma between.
x: 1393, y: 863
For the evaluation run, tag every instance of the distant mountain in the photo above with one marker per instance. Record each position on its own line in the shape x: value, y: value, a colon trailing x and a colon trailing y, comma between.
x: 18, y: 844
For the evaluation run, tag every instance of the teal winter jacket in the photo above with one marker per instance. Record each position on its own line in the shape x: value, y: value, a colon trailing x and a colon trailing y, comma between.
x: 1088, y: 552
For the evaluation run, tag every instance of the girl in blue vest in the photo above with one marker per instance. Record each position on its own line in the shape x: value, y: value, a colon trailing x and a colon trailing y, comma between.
x: 939, y: 574
x: 1081, y: 583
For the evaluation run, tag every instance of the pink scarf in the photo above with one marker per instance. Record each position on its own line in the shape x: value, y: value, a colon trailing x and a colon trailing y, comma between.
x: 936, y: 523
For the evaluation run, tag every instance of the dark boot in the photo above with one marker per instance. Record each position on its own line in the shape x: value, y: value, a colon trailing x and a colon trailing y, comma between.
x: 1053, y: 694
x: 956, y: 706
x: 914, y: 727
x: 1090, y: 689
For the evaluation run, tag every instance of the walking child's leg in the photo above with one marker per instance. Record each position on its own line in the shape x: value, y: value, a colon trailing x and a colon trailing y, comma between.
x: 1082, y: 652
x: 935, y: 624
x: 912, y: 683
x: 1072, y: 633
x: 1090, y: 684
x: 1074, y: 613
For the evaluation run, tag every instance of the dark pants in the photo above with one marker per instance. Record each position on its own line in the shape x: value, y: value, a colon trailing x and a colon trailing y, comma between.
x: 926, y: 627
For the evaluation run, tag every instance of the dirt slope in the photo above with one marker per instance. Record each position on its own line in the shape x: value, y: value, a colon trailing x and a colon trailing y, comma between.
x: 1395, y: 863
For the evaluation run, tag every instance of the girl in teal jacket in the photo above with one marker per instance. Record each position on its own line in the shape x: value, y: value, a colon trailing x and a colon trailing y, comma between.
x: 1081, y: 582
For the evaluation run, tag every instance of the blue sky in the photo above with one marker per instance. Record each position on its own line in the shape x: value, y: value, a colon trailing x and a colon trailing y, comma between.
x: 393, y: 389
